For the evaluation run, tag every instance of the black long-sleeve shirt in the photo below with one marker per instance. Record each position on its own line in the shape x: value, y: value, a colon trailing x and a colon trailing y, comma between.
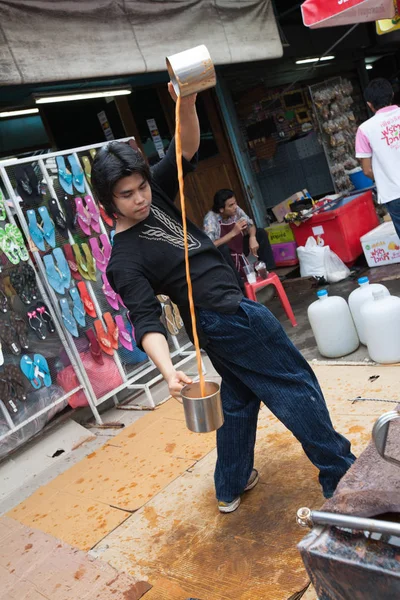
x: 148, y: 259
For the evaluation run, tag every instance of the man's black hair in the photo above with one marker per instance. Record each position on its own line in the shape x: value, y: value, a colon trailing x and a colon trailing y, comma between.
x: 220, y: 198
x: 113, y: 162
x: 379, y: 93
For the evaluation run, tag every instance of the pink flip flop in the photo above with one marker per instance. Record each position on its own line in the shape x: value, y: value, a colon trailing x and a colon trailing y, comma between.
x: 106, y: 246
x: 99, y: 255
x: 109, y: 293
x: 83, y: 216
x: 124, y: 337
x: 94, y: 213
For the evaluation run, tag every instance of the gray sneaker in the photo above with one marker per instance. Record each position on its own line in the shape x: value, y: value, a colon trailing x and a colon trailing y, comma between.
x: 228, y: 507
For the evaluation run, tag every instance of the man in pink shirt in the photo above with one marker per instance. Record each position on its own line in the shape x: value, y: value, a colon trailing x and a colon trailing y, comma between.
x: 378, y: 146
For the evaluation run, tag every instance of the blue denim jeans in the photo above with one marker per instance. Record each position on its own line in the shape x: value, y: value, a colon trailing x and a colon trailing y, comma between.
x: 258, y: 363
x: 393, y: 209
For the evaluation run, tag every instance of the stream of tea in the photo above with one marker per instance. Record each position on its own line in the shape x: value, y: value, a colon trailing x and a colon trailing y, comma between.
x: 178, y: 146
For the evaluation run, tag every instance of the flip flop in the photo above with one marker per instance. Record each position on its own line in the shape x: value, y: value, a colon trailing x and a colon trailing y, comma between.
x: 112, y: 233
x: 58, y: 217
x: 70, y: 212
x: 44, y: 371
x: 31, y: 371
x: 169, y: 319
x: 93, y: 153
x: 94, y: 347
x: 112, y: 329
x: 28, y: 186
x: 1, y: 356
x: 77, y: 173
x: 86, y: 300
x: 82, y: 267
x: 68, y: 318
x: 98, y: 254
x: 3, y: 214
x: 16, y: 237
x: 54, y: 275
x: 177, y: 316
x: 49, y: 231
x: 78, y: 309
x: 69, y: 255
x: 94, y: 214
x: 8, y: 247
x: 7, y: 396
x: 64, y: 176
x: 17, y: 279
x: 3, y: 299
x: 106, y: 246
x: 87, y: 166
x: 103, y: 338
x: 109, y: 293
x: 63, y: 267
x: 44, y: 315
x: 124, y: 337
x: 21, y: 328
x: 36, y: 324
x: 30, y: 284
x: 17, y: 382
x: 90, y: 263
x: 35, y: 231
x: 9, y: 336
x: 83, y: 216
x: 105, y: 216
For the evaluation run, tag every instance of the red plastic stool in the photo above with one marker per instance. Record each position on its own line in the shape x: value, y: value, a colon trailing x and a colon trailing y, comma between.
x: 272, y: 279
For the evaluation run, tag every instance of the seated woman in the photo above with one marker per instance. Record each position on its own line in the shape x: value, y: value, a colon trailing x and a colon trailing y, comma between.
x: 228, y: 225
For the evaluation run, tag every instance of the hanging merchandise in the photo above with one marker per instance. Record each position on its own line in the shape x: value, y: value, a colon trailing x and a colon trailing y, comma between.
x: 320, y: 13
x: 71, y: 238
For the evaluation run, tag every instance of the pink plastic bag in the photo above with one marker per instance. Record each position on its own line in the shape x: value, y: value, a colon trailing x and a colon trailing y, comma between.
x: 104, y: 379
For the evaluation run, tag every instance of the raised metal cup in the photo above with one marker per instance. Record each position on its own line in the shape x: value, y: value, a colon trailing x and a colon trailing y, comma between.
x: 191, y: 71
x: 202, y: 414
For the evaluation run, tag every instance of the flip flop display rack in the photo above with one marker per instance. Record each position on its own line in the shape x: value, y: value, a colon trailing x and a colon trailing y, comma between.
x: 33, y: 347
x: 70, y: 239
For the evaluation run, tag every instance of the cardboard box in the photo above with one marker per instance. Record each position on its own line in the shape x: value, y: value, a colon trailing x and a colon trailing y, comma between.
x: 279, y: 233
x: 381, y: 245
x: 281, y: 210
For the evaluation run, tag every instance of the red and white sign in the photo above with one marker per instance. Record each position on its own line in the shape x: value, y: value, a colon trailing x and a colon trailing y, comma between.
x: 330, y: 13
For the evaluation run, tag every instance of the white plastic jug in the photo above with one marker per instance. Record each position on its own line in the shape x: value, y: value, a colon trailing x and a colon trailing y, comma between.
x: 381, y: 318
x: 332, y: 326
x: 358, y: 298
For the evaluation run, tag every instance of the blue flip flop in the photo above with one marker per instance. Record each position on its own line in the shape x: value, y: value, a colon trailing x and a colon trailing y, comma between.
x: 77, y: 173
x: 78, y: 308
x: 44, y: 371
x: 68, y: 318
x: 35, y: 232
x: 31, y: 371
x: 49, y: 231
x: 54, y: 275
x: 64, y: 177
x: 63, y: 267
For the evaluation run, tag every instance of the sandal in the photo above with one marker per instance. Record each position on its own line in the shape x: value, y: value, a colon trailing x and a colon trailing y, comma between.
x: 17, y: 382
x: 20, y: 326
x: 94, y: 213
x: 82, y: 268
x: 17, y: 280
x: 124, y: 337
x: 1, y: 357
x: 70, y: 214
x: 3, y: 214
x: 28, y: 186
x: 31, y: 371
x: 78, y: 309
x: 7, y: 396
x: 86, y: 300
x: 47, y: 226
x: 105, y: 216
x: 30, y: 280
x: 16, y: 237
x: 83, y: 217
x: 64, y: 176
x: 35, y: 231
x: 177, y: 316
x: 94, y: 347
x: 9, y: 337
x: 109, y: 293
x: 36, y: 324
x: 98, y: 254
x: 58, y: 217
x: 43, y: 369
x: 63, y: 267
x: 112, y: 329
x: 3, y: 299
x: 169, y: 319
x: 53, y: 274
x: 77, y: 173
x: 87, y: 166
x: 103, y: 338
x: 90, y: 262
x: 44, y: 315
x: 68, y: 318
x: 93, y: 153
x: 69, y: 255
x: 8, y: 247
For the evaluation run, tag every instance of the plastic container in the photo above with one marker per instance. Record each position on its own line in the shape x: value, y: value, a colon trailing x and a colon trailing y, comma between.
x: 381, y: 245
x: 341, y: 226
x: 358, y: 298
x: 285, y: 255
x: 279, y: 233
x: 332, y: 325
x: 381, y: 318
x: 359, y: 180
